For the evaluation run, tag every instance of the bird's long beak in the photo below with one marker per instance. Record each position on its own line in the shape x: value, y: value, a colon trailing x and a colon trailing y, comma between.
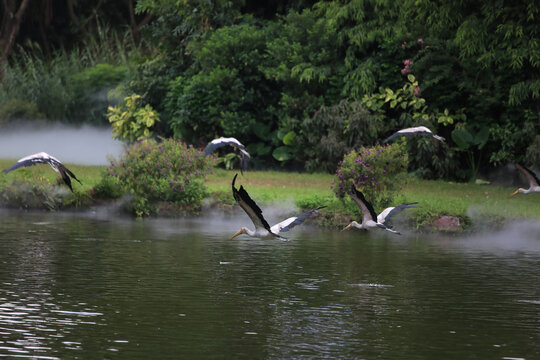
x: 347, y: 227
x: 238, y: 233
x: 515, y: 193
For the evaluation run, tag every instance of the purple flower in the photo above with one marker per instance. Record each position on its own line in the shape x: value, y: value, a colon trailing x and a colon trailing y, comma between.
x: 420, y: 41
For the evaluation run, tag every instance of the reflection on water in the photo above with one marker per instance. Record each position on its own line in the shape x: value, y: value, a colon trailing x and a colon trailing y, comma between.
x: 87, y: 286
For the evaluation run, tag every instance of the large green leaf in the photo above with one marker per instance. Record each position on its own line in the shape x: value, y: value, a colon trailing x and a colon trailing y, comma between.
x: 262, y: 131
x: 289, y: 138
x: 481, y: 137
x: 282, y: 153
x: 462, y: 138
x: 263, y: 149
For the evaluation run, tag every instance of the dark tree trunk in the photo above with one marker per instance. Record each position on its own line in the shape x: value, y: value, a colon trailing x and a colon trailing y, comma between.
x: 11, y: 21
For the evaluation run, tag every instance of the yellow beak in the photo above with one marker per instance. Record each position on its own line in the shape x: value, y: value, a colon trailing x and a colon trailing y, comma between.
x: 238, y: 233
x: 347, y: 227
x: 515, y: 193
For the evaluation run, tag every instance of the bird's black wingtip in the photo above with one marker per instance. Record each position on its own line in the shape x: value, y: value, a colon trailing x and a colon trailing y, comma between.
x: 234, y: 179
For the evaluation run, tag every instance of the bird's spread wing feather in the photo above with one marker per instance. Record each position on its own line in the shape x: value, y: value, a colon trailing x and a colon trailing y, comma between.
x: 220, y: 142
x: 25, y: 162
x: 387, y: 213
x: 61, y: 167
x: 244, y: 159
x: 413, y: 131
x: 291, y: 222
x: 368, y: 212
x: 531, y: 176
x: 250, y: 207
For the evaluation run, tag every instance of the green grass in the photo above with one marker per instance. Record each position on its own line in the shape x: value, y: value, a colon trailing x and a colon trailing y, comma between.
x: 435, y: 197
x: 467, y: 201
x: 88, y: 175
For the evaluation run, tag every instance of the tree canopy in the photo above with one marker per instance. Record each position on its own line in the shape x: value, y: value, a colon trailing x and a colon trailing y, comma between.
x: 306, y: 79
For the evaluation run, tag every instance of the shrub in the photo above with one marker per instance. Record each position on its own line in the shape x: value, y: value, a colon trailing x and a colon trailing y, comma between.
x: 377, y: 171
x: 334, y: 130
x: 161, y: 171
x: 16, y: 109
x: 130, y: 121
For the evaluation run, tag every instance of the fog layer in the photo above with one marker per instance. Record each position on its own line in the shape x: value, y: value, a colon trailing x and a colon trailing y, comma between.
x: 86, y: 145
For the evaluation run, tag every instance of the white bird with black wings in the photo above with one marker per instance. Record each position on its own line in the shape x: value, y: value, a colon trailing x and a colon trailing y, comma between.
x: 222, y: 141
x: 370, y: 220
x: 413, y: 131
x: 262, y: 229
x: 534, y: 182
x: 44, y: 158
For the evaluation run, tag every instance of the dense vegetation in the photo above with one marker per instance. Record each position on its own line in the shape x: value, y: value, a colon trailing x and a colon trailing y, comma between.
x: 309, y: 80
x: 150, y: 171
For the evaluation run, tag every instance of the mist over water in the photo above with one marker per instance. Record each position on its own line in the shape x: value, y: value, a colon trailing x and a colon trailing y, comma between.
x: 86, y: 145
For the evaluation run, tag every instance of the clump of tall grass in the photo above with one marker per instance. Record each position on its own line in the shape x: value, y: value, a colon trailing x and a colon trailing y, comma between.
x: 70, y: 85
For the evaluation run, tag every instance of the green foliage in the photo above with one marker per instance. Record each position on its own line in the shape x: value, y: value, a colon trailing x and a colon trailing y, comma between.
x: 70, y: 85
x: 471, y: 142
x: 407, y: 105
x: 27, y: 194
x: 101, y: 76
x: 334, y: 131
x: 16, y: 109
x: 229, y: 160
x: 377, y: 171
x: 130, y: 121
x: 154, y: 171
x: 225, y: 94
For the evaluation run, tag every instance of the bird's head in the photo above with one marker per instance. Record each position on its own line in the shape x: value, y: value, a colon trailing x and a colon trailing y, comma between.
x: 348, y: 226
x: 239, y: 232
x: 520, y: 190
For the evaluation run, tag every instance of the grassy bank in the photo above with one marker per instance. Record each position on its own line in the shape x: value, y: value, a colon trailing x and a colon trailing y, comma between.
x: 469, y: 202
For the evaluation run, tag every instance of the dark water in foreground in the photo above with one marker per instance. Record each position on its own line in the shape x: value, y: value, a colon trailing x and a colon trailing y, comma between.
x: 88, y: 287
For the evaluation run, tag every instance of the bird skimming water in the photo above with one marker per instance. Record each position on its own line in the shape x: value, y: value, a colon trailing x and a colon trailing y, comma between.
x: 370, y: 220
x: 262, y: 229
x: 534, y: 182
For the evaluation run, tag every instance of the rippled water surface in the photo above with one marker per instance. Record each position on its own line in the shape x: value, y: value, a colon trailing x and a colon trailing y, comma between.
x: 88, y: 286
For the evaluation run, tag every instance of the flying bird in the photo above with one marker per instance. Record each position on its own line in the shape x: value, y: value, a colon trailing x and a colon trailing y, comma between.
x: 222, y: 141
x: 534, y: 183
x: 370, y: 220
x: 413, y: 131
x: 44, y: 158
x: 262, y: 229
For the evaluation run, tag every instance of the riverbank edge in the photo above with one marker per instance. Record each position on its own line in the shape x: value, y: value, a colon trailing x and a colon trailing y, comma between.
x: 215, y: 203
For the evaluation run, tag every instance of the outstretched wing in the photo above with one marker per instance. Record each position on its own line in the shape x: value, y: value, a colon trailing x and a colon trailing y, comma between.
x: 27, y: 161
x: 220, y: 142
x: 387, y: 213
x: 529, y: 174
x: 291, y: 222
x: 252, y: 210
x: 413, y: 131
x: 368, y: 212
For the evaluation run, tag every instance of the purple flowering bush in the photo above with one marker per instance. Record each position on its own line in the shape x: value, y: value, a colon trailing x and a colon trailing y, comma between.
x: 377, y: 171
x: 169, y: 171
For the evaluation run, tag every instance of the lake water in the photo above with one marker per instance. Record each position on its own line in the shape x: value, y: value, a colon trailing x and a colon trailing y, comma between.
x: 95, y: 286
